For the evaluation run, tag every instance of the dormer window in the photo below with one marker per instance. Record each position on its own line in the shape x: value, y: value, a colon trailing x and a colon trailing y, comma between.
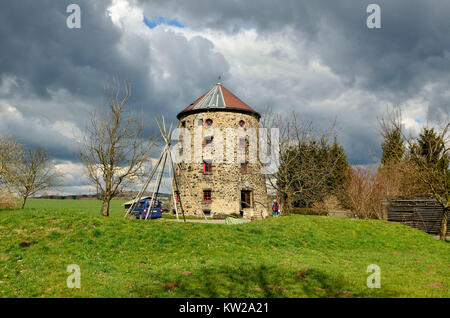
x: 207, y: 196
x: 243, y: 142
x: 208, y: 140
x: 207, y: 167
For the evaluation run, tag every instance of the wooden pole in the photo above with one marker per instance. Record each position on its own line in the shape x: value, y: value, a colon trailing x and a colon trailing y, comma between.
x: 172, y: 181
x: 157, y: 185
x: 147, y: 182
x: 176, y: 184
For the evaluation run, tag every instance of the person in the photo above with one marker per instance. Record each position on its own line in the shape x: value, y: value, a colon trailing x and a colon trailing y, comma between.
x: 275, y: 208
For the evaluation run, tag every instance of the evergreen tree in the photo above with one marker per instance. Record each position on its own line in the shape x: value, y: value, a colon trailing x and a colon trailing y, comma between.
x: 430, y: 146
x: 392, y: 146
x: 339, y: 158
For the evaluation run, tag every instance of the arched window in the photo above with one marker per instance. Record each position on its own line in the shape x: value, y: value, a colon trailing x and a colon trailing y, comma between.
x: 209, y: 122
x: 241, y: 123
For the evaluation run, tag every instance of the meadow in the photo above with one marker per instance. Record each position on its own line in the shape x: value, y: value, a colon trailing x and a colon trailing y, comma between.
x: 294, y: 256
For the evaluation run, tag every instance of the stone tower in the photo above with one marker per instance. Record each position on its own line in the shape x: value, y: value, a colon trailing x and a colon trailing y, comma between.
x: 220, y: 123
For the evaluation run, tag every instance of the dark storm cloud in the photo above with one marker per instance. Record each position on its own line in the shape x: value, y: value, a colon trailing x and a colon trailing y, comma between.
x: 52, y: 77
x: 56, y: 73
x: 411, y: 50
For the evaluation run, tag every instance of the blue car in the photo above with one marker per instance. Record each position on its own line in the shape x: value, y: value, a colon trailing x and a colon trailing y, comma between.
x: 140, y: 211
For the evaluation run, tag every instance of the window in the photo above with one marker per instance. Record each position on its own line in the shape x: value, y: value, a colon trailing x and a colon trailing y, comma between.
x: 207, y: 167
x: 207, y: 212
x: 200, y: 122
x: 177, y: 196
x: 241, y: 123
x: 206, y: 195
x: 244, y: 168
x: 183, y: 124
x: 209, y: 122
x: 208, y: 140
x: 243, y: 142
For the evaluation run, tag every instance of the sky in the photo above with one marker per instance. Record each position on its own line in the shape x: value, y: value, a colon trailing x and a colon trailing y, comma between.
x: 318, y: 58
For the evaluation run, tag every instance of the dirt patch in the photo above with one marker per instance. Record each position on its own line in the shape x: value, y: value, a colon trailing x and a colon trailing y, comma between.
x: 26, y: 244
x: 348, y: 293
x: 170, y: 286
x: 301, y: 275
x: 276, y: 288
x: 186, y: 273
x: 436, y: 285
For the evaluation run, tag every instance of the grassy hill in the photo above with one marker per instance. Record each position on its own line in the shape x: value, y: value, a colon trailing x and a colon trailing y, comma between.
x: 297, y: 256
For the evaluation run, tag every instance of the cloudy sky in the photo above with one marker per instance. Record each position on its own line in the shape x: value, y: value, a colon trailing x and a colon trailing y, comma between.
x: 317, y: 57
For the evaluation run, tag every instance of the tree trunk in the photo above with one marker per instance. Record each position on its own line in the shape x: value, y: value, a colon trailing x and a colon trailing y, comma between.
x: 444, y: 221
x: 23, y: 202
x: 105, y: 207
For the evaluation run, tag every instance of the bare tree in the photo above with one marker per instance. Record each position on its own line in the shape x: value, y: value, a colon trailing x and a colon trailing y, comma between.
x: 10, y: 151
x: 113, y: 150
x: 436, y: 173
x: 33, y: 172
x: 432, y: 165
x: 295, y: 175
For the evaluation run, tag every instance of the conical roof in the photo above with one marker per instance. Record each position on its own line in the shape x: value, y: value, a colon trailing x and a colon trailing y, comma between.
x: 218, y: 98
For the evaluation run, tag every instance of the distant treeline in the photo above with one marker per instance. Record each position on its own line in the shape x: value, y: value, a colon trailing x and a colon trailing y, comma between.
x: 124, y: 196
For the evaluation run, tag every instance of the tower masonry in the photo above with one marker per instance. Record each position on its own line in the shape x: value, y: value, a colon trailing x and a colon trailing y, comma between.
x: 220, y: 172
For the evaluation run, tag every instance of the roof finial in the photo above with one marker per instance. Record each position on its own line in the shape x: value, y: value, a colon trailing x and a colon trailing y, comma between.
x: 218, y: 79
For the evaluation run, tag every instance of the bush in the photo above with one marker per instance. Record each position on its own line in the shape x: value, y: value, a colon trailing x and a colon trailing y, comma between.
x: 364, y: 193
x: 330, y: 202
x: 8, y: 201
x: 307, y: 211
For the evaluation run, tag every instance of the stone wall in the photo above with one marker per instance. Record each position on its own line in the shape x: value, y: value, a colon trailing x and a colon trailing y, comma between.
x: 226, y: 180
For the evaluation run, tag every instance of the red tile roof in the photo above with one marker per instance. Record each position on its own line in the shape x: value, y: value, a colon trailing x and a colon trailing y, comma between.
x: 205, y: 102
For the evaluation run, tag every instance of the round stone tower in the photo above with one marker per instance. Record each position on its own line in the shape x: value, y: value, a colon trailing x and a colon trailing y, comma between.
x: 220, y: 172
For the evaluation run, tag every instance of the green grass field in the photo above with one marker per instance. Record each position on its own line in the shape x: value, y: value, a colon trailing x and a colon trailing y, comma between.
x: 296, y: 256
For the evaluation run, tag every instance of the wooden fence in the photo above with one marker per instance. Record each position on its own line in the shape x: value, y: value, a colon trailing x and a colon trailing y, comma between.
x: 424, y: 215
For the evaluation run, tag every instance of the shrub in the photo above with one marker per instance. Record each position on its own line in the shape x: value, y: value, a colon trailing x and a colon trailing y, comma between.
x: 330, y: 202
x: 307, y: 211
x: 364, y: 193
x: 8, y: 201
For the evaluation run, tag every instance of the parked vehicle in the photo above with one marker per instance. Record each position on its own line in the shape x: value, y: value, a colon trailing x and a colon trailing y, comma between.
x: 140, y: 211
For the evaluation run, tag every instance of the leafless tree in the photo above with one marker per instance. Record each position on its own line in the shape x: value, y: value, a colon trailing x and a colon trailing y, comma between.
x: 33, y: 172
x: 10, y: 152
x: 308, y: 176
x: 435, y: 175
x: 113, y: 149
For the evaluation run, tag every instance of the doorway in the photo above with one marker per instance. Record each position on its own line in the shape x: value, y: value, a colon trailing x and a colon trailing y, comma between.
x: 246, y: 201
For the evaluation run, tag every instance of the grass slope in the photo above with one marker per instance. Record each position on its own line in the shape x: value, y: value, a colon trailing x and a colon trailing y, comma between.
x: 297, y: 256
